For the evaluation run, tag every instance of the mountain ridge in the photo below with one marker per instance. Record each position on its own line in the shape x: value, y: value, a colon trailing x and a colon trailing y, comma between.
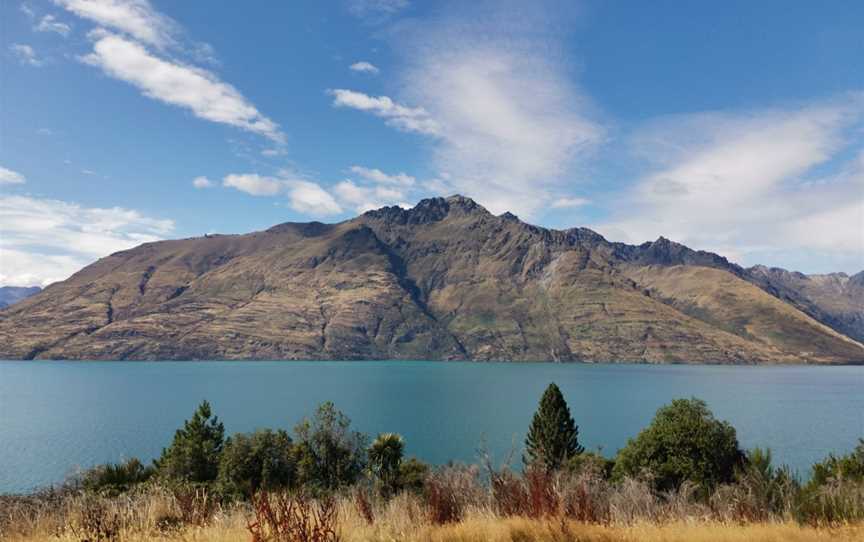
x: 445, y: 279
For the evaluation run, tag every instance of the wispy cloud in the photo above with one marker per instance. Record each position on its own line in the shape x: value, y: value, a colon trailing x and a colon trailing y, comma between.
x: 752, y: 184
x: 304, y: 196
x: 364, y: 67
x: 25, y: 54
x: 49, y: 23
x: 569, y: 203
x: 45, y: 240
x: 408, y: 119
x: 509, y: 122
x: 177, y: 84
x: 202, y: 182
x: 7, y: 176
x: 378, y: 176
x: 376, y: 10
x: 136, y: 18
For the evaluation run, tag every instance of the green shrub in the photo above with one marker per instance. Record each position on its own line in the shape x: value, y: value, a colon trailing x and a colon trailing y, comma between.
x: 260, y: 460
x: 385, y: 458
x: 413, y: 474
x: 593, y: 462
x: 684, y: 442
x: 115, y: 478
x: 553, y: 437
x: 849, y: 467
x: 194, y: 453
x: 328, y: 454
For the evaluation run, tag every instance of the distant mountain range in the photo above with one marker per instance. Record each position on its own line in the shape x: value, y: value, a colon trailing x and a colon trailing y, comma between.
x: 444, y: 280
x: 14, y: 294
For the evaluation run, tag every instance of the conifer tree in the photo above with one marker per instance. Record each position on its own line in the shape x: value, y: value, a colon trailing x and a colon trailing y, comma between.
x: 553, y: 437
x: 196, y: 449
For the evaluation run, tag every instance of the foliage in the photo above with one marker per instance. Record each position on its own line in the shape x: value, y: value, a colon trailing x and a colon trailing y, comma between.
x: 283, y: 517
x: 195, y: 451
x: 412, y: 474
x: 848, y: 467
x: 591, y: 462
x: 115, y: 478
x: 262, y: 460
x: 553, y: 438
x: 328, y: 454
x: 684, y: 442
x: 385, y: 458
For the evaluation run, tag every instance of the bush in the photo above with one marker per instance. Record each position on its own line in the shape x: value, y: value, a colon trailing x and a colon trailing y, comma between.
x: 385, y: 458
x: 591, y: 462
x: 115, y: 478
x: 412, y: 475
x: 262, y: 460
x: 684, y: 442
x: 848, y: 467
x: 194, y: 453
x: 328, y: 455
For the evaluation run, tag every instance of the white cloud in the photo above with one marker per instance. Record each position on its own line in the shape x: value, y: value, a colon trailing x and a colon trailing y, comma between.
x: 376, y: 9
x: 134, y: 17
x: 202, y: 182
x: 46, y: 240
x: 254, y: 184
x: 49, y: 23
x: 27, y: 10
x: 274, y: 152
x: 177, y: 84
x: 25, y: 54
x: 753, y: 185
x: 567, y: 203
x: 495, y: 88
x: 364, y: 67
x: 378, y: 176
x: 7, y: 176
x: 308, y: 197
x: 407, y: 119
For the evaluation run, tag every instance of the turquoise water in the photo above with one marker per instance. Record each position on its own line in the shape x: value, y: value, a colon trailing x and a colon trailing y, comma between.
x: 56, y: 417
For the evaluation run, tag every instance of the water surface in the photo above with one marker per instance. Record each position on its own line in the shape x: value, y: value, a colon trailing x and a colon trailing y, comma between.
x: 56, y: 417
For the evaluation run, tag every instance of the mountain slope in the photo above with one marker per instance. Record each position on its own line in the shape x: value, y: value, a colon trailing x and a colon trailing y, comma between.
x: 444, y: 280
x: 10, y: 295
x: 835, y: 299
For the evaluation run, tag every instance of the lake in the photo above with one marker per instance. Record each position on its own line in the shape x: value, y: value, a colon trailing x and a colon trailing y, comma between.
x: 56, y: 417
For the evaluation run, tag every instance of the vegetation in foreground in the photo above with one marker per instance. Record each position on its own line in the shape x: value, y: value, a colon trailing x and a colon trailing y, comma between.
x: 682, y: 478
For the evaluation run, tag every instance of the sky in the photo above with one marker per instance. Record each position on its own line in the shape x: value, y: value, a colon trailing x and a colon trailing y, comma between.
x: 735, y: 127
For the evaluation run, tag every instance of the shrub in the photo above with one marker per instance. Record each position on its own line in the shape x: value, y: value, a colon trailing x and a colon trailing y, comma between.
x: 194, y: 453
x: 412, y: 475
x: 385, y: 458
x: 256, y: 461
x: 684, y: 442
x: 553, y: 437
x: 591, y: 462
x: 848, y: 467
x: 281, y: 517
x: 328, y: 455
x: 115, y: 478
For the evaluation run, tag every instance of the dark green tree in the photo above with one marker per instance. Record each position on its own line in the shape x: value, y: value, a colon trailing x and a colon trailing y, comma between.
x: 328, y: 454
x: 195, y: 451
x: 253, y: 461
x: 553, y: 437
x: 385, y: 459
x: 683, y: 442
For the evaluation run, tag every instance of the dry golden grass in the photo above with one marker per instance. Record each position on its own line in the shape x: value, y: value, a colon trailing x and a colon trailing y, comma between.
x: 403, y: 519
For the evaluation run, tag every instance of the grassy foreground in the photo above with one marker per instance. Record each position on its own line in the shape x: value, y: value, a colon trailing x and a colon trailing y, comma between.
x: 161, y: 517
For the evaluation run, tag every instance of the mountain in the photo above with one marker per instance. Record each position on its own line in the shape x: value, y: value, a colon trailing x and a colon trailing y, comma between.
x: 443, y: 280
x: 835, y: 299
x: 14, y: 294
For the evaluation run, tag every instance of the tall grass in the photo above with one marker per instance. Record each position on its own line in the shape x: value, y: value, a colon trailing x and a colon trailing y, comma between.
x: 456, y: 503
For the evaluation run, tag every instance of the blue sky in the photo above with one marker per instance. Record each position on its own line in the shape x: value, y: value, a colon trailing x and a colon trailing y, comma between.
x: 736, y: 127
